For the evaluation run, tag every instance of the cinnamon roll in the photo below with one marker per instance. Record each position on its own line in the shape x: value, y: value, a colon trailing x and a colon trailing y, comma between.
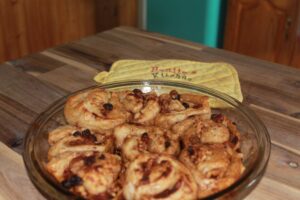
x: 235, y: 136
x: 212, y: 133
x: 134, y: 140
x: 91, y: 175
x: 95, y: 109
x: 198, y: 131
x: 214, y: 166
x: 154, y: 176
x: 72, y: 139
x: 124, y: 130
x: 58, y: 166
x: 181, y: 127
x: 61, y: 132
x: 144, y: 106
x: 178, y: 107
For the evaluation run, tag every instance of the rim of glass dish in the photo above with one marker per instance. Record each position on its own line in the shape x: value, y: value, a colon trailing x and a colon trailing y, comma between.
x: 51, y: 189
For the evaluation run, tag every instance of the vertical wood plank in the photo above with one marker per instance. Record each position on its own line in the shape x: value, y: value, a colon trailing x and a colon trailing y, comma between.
x: 28, y: 26
x: 108, y: 10
x: 14, y: 37
x: 128, y: 12
x: 54, y: 22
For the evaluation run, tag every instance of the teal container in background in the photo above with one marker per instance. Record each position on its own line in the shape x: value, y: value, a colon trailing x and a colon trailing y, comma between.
x: 200, y: 21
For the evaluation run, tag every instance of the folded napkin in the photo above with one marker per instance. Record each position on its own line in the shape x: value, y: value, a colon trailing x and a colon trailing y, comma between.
x: 219, y: 76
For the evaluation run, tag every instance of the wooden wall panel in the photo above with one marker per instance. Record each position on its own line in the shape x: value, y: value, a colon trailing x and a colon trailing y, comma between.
x: 106, y: 9
x: 116, y: 13
x: 128, y: 14
x: 12, y: 29
x: 56, y: 21
x: 28, y: 26
x: 295, y: 62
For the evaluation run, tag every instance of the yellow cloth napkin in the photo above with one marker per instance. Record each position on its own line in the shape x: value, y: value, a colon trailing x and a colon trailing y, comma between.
x: 219, y: 76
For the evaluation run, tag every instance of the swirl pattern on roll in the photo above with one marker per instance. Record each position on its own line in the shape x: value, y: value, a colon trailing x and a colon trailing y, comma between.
x: 214, y: 166
x: 211, y: 155
x: 95, y: 109
x: 134, y: 140
x: 77, y: 159
x: 73, y: 139
x: 144, y: 106
x: 149, y: 171
x: 178, y: 107
x: 92, y: 175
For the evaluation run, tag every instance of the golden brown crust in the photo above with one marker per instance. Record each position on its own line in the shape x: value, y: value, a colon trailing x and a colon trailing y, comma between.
x: 61, y: 132
x: 144, y: 106
x: 99, y: 173
x: 134, y: 140
x: 73, y: 139
x: 213, y: 167
x: 78, y: 160
x: 89, y: 174
x: 210, y: 154
x: 175, y: 108
x: 95, y: 109
x: 149, y: 171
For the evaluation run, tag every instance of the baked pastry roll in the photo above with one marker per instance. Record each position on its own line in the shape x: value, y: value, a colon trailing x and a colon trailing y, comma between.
x: 58, y: 166
x: 61, y: 132
x: 144, y: 106
x: 134, y: 140
x: 181, y: 127
x: 235, y: 136
x: 195, y: 130
x: 178, y: 107
x: 214, y: 166
x: 154, y: 176
x: 73, y: 139
x: 90, y: 174
x: 95, y: 109
x: 211, y: 132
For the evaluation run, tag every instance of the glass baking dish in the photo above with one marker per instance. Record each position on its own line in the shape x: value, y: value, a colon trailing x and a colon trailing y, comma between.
x: 255, y: 140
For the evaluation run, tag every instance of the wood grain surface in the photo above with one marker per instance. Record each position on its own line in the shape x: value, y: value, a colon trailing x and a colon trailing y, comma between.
x: 30, y: 84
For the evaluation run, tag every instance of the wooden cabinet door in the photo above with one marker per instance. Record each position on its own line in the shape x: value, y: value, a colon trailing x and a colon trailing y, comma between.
x: 28, y: 26
x: 264, y: 29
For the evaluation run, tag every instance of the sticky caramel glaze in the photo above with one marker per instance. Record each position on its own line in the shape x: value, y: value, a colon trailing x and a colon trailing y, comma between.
x: 149, y: 171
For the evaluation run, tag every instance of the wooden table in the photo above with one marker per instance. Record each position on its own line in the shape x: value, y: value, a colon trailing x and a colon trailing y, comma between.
x: 30, y: 84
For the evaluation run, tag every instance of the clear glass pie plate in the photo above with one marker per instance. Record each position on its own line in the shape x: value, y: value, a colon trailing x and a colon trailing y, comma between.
x: 255, y: 140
